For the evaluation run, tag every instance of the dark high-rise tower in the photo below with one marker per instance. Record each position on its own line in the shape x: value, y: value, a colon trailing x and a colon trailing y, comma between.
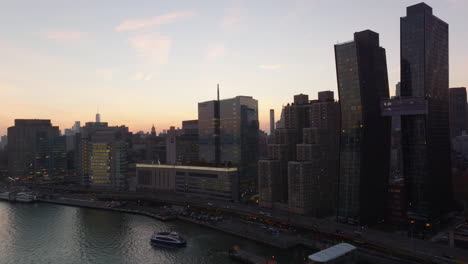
x: 36, y: 150
x: 426, y: 147
x: 365, y: 136
x: 457, y: 113
x: 272, y: 122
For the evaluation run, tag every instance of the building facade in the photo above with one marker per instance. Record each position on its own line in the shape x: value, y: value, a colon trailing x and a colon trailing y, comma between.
x: 3, y: 142
x: 209, y: 132
x: 103, y: 155
x: 426, y: 136
x: 228, y: 132
x: 365, y: 140
x: 187, y: 143
x: 36, y: 150
x: 272, y: 122
x: 457, y: 111
x: 171, y: 146
x: 190, y: 181
x: 300, y: 173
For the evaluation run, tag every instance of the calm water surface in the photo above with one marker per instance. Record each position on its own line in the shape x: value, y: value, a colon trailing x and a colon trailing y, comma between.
x: 46, y: 233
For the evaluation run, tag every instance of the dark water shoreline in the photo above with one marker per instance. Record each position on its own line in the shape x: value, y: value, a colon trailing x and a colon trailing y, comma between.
x: 66, y: 234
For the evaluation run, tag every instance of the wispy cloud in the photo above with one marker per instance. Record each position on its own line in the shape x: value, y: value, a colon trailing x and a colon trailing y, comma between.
x: 153, y: 46
x: 136, y: 24
x: 270, y: 66
x: 299, y: 8
x: 233, y: 18
x: 141, y: 76
x: 215, y: 51
x: 64, y: 35
x: 105, y: 74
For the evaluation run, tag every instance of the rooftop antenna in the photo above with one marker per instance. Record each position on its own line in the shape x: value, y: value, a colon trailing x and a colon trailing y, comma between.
x: 218, y: 91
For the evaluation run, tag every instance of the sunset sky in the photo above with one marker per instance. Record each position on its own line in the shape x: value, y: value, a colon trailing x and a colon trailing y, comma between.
x: 151, y: 62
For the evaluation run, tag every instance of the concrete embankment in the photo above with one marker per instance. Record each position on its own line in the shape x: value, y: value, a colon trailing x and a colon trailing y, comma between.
x: 94, y: 205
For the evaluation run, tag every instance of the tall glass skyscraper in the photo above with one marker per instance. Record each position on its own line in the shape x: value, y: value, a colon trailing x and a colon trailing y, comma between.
x: 208, y: 132
x: 365, y: 135
x: 228, y: 133
x: 426, y: 147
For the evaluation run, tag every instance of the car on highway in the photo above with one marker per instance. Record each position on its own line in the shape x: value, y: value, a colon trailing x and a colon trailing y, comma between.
x: 447, y: 256
x: 358, y: 233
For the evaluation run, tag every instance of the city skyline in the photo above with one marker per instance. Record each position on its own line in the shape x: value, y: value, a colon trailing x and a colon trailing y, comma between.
x: 158, y: 113
x: 135, y: 63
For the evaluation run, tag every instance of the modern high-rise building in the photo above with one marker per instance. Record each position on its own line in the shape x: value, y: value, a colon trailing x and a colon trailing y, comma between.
x: 208, y: 132
x: 426, y: 136
x: 272, y: 121
x: 76, y: 127
x: 365, y: 136
x: 457, y: 111
x: 187, y: 143
x: 280, y: 122
x: 36, y: 150
x: 102, y: 155
x: 396, y: 156
x: 3, y: 141
x: 228, y: 132
x: 171, y: 146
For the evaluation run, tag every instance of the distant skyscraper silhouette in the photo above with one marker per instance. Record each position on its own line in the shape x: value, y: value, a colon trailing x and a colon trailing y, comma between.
x: 426, y: 137
x: 365, y: 136
x: 272, y: 122
x: 171, y: 146
x: 458, y: 105
x: 98, y: 117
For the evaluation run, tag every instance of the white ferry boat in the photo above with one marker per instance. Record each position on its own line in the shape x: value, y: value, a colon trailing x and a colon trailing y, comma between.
x: 25, y: 197
x: 5, y: 196
x: 168, y: 239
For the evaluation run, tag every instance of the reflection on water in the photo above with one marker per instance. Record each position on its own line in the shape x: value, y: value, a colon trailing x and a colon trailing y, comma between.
x: 46, y: 233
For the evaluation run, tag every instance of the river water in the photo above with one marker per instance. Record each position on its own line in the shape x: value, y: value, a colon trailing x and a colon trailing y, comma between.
x: 46, y: 233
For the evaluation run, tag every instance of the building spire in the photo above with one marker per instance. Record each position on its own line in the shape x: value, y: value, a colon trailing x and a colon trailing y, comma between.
x: 218, y: 91
x: 98, y: 116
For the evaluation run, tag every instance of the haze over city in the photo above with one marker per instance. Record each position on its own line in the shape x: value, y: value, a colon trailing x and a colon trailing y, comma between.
x: 266, y: 132
x: 150, y: 62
